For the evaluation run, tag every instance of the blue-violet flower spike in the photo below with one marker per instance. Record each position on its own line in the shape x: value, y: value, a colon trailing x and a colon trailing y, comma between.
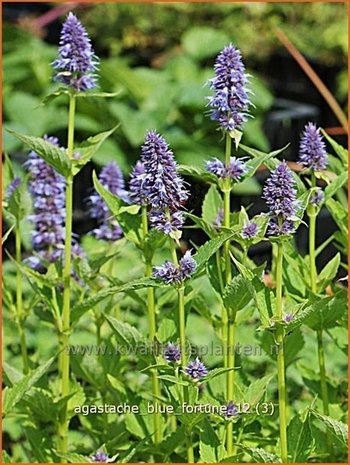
x: 230, y: 103
x: 249, y: 231
x: 172, y: 353
x: 187, y: 265
x: 12, y: 187
x: 280, y: 195
x: 312, y: 151
x: 196, y: 370
x: 77, y: 62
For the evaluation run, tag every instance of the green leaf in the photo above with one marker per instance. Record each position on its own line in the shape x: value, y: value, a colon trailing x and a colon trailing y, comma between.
x: 98, y: 94
x: 238, y: 293
x: 198, y: 173
x: 203, y: 41
x: 338, y: 429
x: 88, y: 149
x: 334, y: 186
x: 260, y: 455
x: 19, y: 202
x: 53, y: 95
x: 338, y: 149
x: 212, y: 204
x: 326, y: 312
x: 300, y: 440
x: 54, y: 156
x: 7, y: 233
x: 209, y: 443
x: 256, y: 390
x: 73, y: 457
x: 113, y: 202
x: 209, y: 248
x: 216, y: 372
x: 328, y: 273
x: 80, y: 308
x: 173, y: 379
x: 167, y: 330
x: 5, y: 457
x: 16, y: 393
x: 126, y: 335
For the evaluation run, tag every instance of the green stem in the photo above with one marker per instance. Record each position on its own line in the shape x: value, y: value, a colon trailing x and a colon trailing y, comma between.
x: 152, y: 329
x: 280, y: 358
x: 65, y: 335
x: 313, y: 278
x: 19, y: 301
x: 230, y: 376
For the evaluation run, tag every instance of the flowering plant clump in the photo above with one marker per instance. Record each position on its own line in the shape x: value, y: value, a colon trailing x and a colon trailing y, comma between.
x: 171, y: 339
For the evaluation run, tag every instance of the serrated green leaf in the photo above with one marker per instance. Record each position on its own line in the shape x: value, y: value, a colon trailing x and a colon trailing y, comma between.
x: 53, y: 95
x: 167, y: 329
x: 113, y: 202
x: 238, y: 293
x: 54, y: 156
x: 16, y: 393
x: 256, y: 390
x: 326, y: 312
x: 198, y: 173
x: 299, y: 437
x: 328, y: 273
x: 338, y: 149
x: 212, y: 204
x: 209, y: 248
x: 335, y: 185
x: 126, y: 335
x: 337, y: 428
x: 209, y: 443
x: 260, y: 455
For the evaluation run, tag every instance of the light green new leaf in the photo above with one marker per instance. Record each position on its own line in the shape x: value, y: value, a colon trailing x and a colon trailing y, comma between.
x: 16, y: 393
x: 334, y: 186
x: 328, y: 273
x: 113, y: 202
x: 212, y: 204
x: 54, y: 156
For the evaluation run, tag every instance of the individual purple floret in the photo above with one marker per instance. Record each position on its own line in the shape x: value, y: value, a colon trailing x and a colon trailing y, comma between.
x: 196, y: 370
x: 135, y: 183
x: 112, y: 179
x: 229, y: 105
x: 172, y: 353
x: 100, y: 456
x: 312, y: 151
x: 187, y: 265
x: 231, y: 410
x: 216, y: 167
x: 316, y: 198
x: 171, y: 274
x: 288, y: 317
x: 249, y: 231
x: 77, y: 62
x: 280, y: 196
x: 12, y: 187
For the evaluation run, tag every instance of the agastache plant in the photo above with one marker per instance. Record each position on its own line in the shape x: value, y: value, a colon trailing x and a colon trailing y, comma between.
x: 313, y: 157
x: 230, y: 108
x: 280, y: 196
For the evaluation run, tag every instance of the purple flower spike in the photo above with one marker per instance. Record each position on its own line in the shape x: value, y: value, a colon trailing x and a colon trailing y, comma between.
x: 112, y: 179
x: 77, y: 62
x: 312, y: 151
x: 172, y: 353
x: 249, y: 231
x: 12, y: 187
x: 231, y: 410
x: 280, y: 196
x: 171, y: 274
x: 135, y: 183
x: 317, y: 198
x: 166, y: 221
x: 196, y: 370
x: 230, y: 103
x: 187, y: 265
x: 236, y: 169
x: 100, y: 456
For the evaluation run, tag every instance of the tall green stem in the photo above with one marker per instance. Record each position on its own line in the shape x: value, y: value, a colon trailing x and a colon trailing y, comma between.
x: 65, y: 335
x: 280, y: 358
x: 182, y: 335
x: 19, y: 301
x: 229, y: 323
x: 152, y: 329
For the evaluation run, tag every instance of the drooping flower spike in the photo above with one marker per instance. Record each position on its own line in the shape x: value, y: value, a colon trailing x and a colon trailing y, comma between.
x: 171, y: 274
x: 312, y: 151
x: 112, y: 179
x: 77, y: 63
x: 230, y: 103
x: 280, y: 195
